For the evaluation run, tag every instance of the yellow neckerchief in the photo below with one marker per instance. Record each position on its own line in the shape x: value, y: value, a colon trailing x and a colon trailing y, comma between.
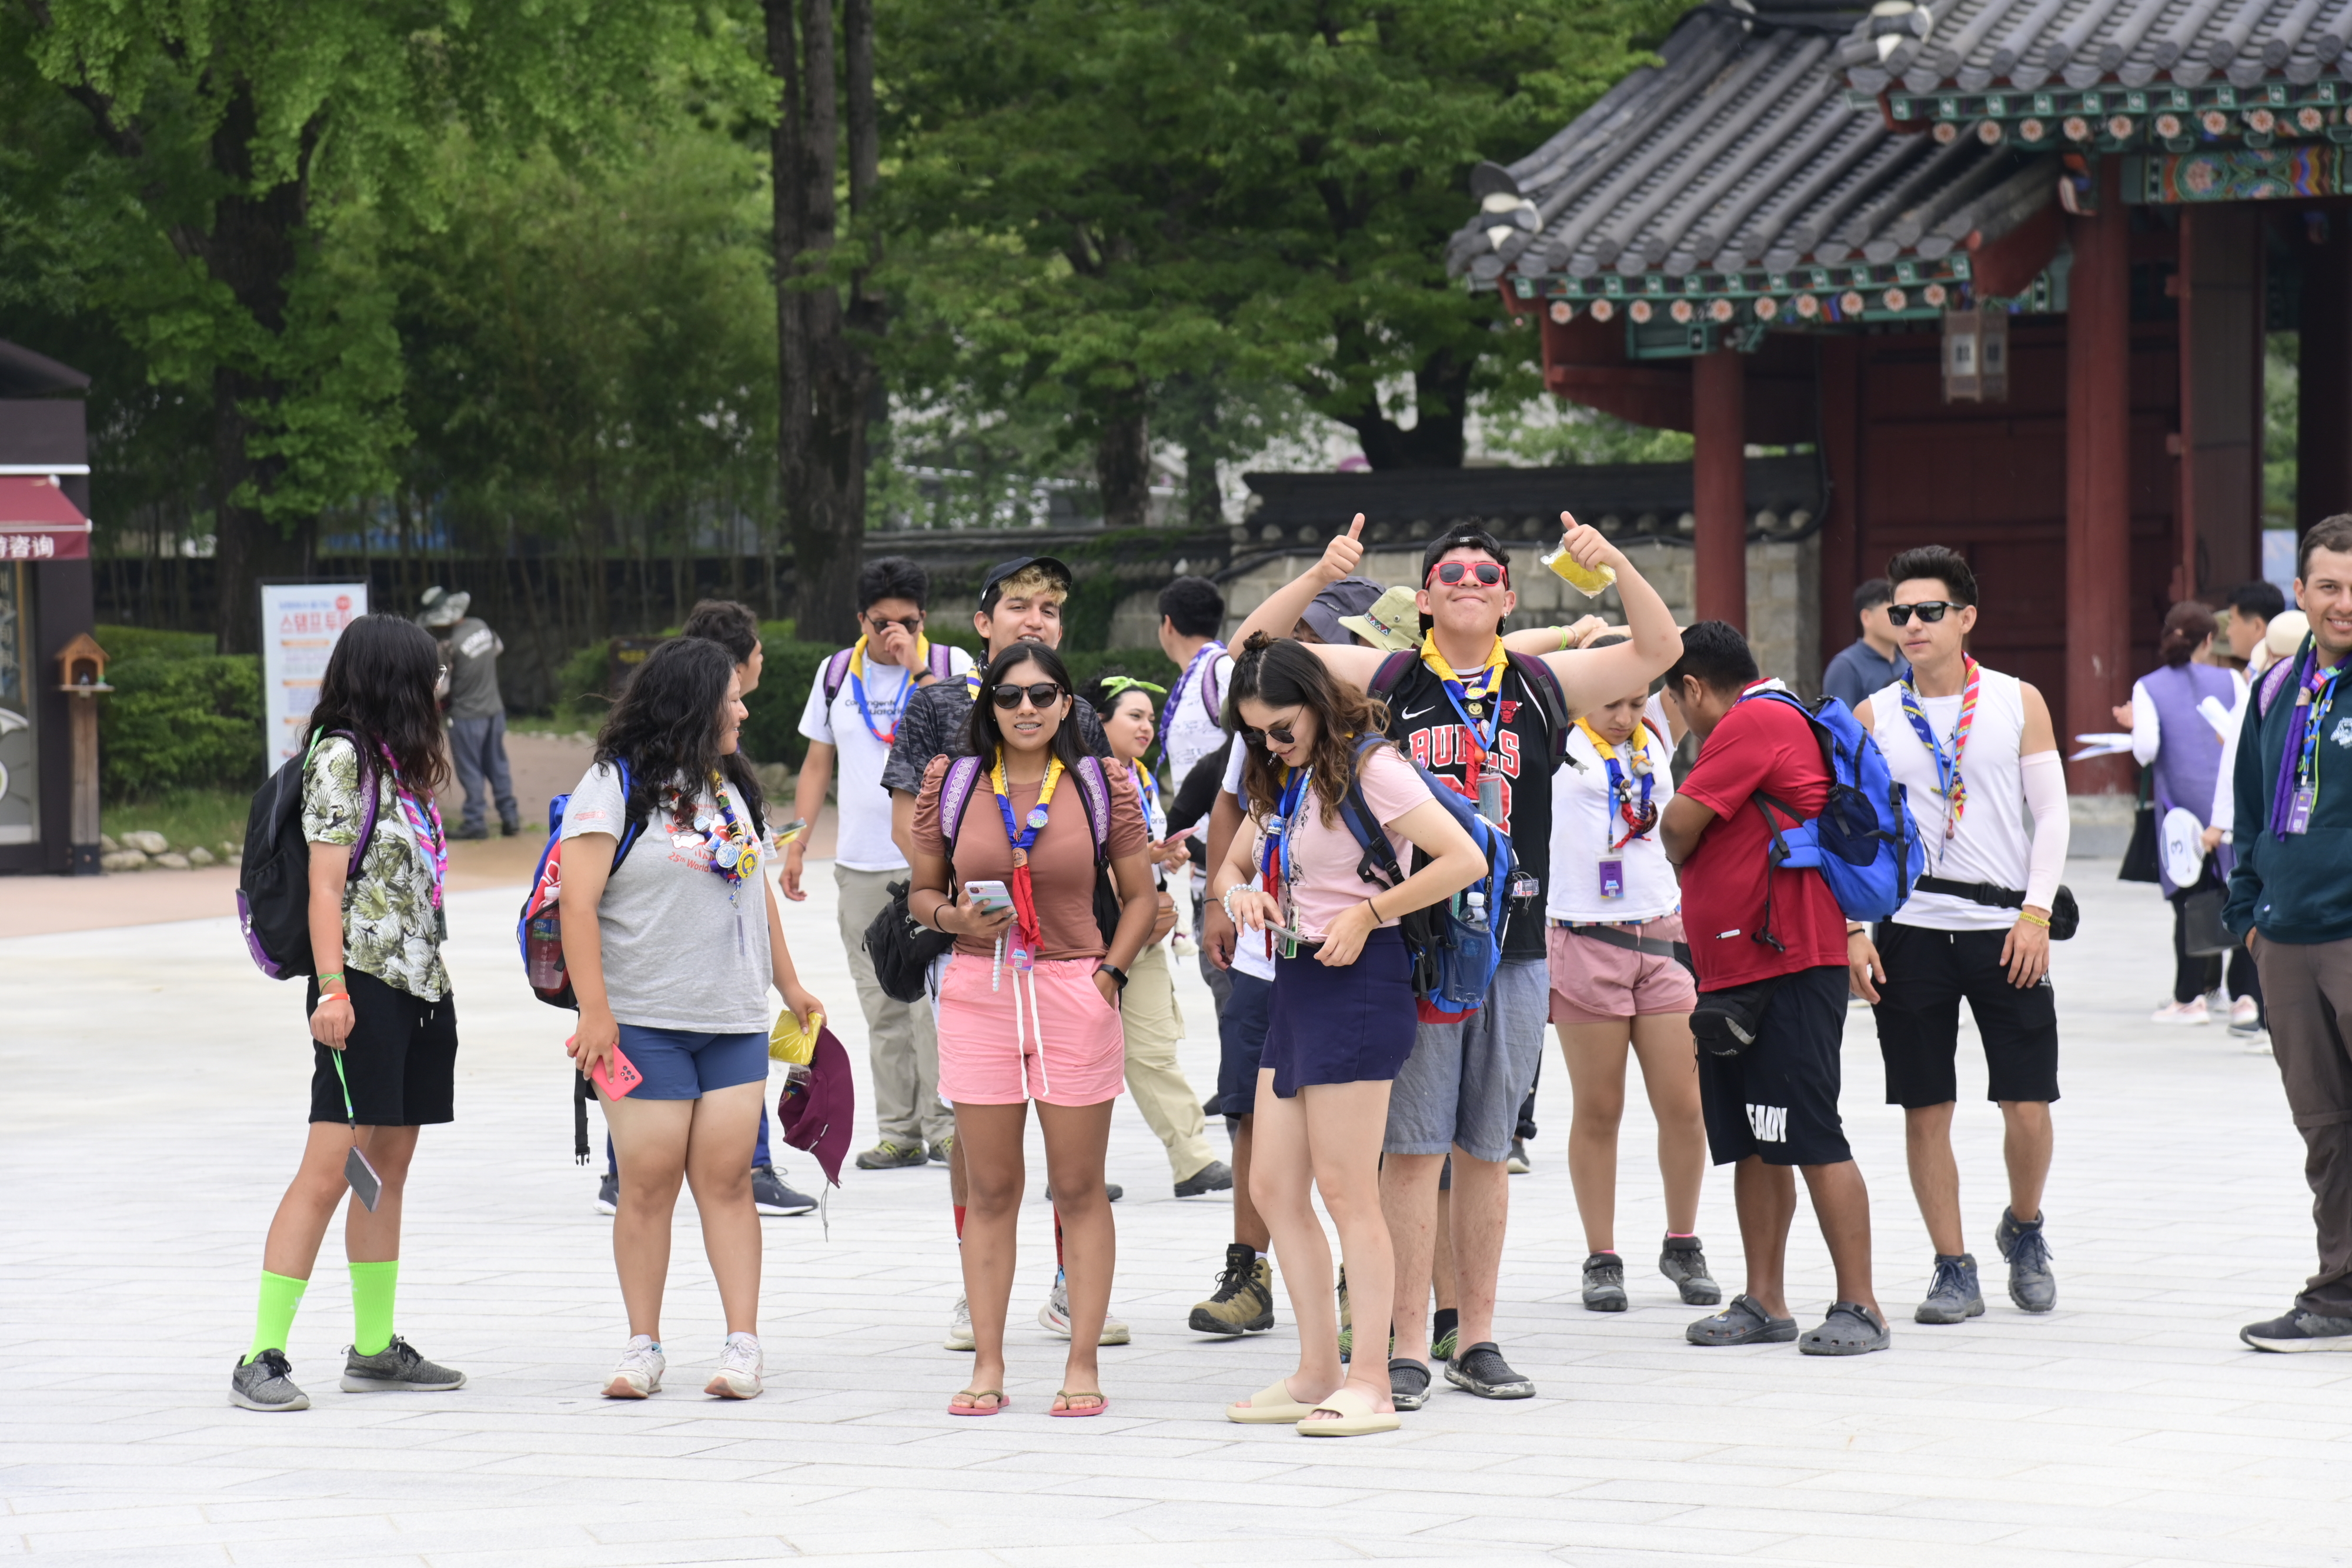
x: 1490, y: 678
x: 857, y: 680
x: 1639, y: 740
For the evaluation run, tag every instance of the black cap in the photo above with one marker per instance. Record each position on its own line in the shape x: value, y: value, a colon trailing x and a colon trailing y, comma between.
x: 1018, y: 564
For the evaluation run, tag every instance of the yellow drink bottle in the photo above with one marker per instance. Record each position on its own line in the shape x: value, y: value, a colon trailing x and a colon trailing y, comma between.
x: 1590, y: 581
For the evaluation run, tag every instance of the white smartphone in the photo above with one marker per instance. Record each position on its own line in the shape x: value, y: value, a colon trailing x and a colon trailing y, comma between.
x: 990, y: 895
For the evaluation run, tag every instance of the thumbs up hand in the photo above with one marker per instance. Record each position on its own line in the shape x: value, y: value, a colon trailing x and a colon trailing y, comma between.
x: 1343, y: 554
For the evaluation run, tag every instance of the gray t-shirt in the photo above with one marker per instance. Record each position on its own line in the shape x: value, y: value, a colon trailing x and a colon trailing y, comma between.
x: 683, y: 948
x: 472, y: 651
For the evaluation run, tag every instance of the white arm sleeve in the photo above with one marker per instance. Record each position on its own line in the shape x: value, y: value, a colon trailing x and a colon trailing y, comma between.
x: 2146, y: 733
x: 2225, y: 791
x: 2044, y: 778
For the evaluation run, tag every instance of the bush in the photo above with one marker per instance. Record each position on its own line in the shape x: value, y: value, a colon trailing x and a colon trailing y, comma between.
x: 178, y: 719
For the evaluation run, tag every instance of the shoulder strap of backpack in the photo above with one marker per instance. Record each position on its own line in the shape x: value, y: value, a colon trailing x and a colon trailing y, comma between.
x: 368, y: 803
x: 2274, y: 681
x: 1537, y: 677
x: 1213, y: 706
x: 1093, y: 788
x: 1379, y: 864
x: 630, y: 828
x: 836, y: 672
x: 942, y: 660
x: 1391, y: 671
x: 955, y: 794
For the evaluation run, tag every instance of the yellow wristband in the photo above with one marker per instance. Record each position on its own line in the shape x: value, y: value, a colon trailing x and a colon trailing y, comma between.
x: 1563, y: 639
x: 2041, y: 920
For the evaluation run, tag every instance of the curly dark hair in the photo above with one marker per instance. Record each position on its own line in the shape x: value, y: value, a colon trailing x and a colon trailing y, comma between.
x: 379, y: 686
x: 1278, y: 672
x: 666, y: 726
x: 985, y: 738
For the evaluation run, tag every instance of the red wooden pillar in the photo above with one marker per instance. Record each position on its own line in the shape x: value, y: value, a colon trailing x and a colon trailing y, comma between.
x: 1843, y: 568
x: 1719, y: 487
x: 2098, y: 479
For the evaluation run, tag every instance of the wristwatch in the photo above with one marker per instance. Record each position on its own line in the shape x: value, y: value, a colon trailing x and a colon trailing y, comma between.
x: 1118, y: 975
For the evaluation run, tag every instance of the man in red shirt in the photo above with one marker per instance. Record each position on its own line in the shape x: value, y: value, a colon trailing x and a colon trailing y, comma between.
x: 1780, y: 938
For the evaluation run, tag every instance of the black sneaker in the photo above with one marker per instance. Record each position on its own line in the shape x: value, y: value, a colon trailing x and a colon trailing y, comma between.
x: 1516, y: 1161
x: 2297, y: 1331
x: 771, y: 1196
x: 1480, y: 1369
x: 471, y: 833
x: 265, y: 1383
x: 2031, y: 1285
x: 608, y: 1194
x: 887, y: 1155
x: 1604, y: 1284
x: 1214, y: 1177
x: 1408, y: 1382
x: 509, y: 826
x: 1684, y: 1261
x: 1244, y: 1300
x: 396, y: 1369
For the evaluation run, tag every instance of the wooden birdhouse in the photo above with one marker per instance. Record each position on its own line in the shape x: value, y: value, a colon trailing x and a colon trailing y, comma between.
x: 81, y: 667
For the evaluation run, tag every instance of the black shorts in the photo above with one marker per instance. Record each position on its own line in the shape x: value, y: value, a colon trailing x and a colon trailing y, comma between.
x: 1241, y: 1042
x: 1777, y: 1099
x: 1927, y: 972
x: 401, y: 1059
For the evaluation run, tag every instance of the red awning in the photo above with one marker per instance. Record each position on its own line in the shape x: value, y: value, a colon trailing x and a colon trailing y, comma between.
x: 38, y: 523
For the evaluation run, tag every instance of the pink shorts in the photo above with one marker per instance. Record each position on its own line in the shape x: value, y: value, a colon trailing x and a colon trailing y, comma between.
x: 1064, y: 1044
x: 1593, y: 982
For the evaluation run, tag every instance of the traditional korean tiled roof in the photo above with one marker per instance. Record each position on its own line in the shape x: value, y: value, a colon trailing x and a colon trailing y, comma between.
x: 1738, y: 171
x: 1969, y: 45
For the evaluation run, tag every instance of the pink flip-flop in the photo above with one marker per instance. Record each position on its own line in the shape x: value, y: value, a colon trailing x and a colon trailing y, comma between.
x: 1101, y: 1404
x: 995, y: 1394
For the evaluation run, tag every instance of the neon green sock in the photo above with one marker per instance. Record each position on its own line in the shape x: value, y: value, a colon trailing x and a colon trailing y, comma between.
x: 273, y: 1319
x: 371, y: 1287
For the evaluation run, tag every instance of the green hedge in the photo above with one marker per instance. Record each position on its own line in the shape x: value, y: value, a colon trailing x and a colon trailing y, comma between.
x: 180, y: 717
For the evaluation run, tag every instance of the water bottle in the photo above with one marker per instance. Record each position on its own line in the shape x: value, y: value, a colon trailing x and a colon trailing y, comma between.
x: 543, y: 951
x: 1474, y: 909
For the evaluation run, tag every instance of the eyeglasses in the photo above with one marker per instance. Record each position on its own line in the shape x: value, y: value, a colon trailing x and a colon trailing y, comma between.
x: 1928, y: 609
x: 913, y: 624
x: 1042, y: 696
x: 1450, y: 572
x: 1279, y: 734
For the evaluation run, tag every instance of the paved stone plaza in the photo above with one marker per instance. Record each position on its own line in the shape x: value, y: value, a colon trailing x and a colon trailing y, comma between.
x: 154, y: 1091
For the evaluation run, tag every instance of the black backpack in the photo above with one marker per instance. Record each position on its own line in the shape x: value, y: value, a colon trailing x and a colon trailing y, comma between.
x: 273, y: 887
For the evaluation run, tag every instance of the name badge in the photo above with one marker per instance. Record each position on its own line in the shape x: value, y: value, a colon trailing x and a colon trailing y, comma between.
x: 1612, y: 879
x: 1490, y: 797
x: 2298, y: 813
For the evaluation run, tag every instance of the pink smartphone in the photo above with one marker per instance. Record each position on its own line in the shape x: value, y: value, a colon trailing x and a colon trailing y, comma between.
x: 617, y: 1075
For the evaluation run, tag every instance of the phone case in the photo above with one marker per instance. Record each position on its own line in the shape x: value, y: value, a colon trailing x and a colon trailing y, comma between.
x: 617, y: 1075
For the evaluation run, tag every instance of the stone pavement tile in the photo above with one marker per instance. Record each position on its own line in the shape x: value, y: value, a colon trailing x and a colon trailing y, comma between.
x: 162, y: 1557
x: 1870, y: 1553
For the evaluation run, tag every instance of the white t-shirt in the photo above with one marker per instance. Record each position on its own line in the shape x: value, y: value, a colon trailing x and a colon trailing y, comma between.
x: 862, y: 842
x: 1193, y: 714
x: 1585, y: 822
x: 1250, y: 955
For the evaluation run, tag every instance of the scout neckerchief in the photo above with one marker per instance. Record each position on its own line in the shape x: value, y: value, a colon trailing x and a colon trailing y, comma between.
x: 423, y: 815
x: 1476, y: 704
x: 2291, y: 811
x: 1950, y: 785
x: 1278, y: 866
x: 1146, y: 790
x: 857, y: 686
x: 1639, y: 820
x: 1207, y: 651
x: 1028, y: 936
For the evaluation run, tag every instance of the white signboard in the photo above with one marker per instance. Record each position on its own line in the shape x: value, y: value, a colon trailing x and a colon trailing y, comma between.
x: 299, y: 625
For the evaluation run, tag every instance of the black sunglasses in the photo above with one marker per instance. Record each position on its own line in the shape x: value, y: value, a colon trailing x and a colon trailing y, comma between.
x: 1928, y: 609
x: 1280, y: 733
x: 1042, y: 696
x: 913, y: 624
x: 1450, y: 572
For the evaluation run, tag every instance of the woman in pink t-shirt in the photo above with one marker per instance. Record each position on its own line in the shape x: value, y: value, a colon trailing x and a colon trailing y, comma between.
x: 1343, y: 1015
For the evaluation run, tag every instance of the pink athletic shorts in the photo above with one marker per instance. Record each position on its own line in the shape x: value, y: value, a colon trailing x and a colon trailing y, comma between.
x: 1593, y: 982
x: 1063, y: 1046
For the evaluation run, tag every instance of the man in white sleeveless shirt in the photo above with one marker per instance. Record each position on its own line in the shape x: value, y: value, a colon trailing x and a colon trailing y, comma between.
x: 1977, y: 752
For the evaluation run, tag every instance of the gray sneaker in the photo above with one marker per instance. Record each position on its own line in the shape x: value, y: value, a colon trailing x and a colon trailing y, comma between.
x: 397, y: 1369
x: 265, y: 1383
x: 1850, y: 1329
x: 887, y: 1155
x: 1953, y: 1296
x: 608, y: 1194
x: 1214, y: 1177
x: 2031, y: 1285
x: 2298, y: 1331
x: 1604, y: 1284
x: 1684, y: 1261
x: 771, y: 1196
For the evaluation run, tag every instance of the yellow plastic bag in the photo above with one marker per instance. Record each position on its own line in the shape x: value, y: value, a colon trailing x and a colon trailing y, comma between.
x: 788, y: 1042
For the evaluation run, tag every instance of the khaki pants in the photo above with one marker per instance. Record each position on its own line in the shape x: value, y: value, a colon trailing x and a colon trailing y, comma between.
x: 2307, y: 990
x: 1154, y: 1029
x: 902, y: 1048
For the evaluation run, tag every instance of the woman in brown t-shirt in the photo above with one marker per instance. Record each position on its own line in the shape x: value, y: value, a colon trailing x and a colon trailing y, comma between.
x: 1029, y: 1006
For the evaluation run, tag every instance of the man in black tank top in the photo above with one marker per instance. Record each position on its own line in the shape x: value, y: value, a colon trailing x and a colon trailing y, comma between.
x: 1464, y: 710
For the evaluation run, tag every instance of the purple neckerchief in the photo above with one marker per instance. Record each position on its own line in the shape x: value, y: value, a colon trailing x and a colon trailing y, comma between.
x: 2298, y: 725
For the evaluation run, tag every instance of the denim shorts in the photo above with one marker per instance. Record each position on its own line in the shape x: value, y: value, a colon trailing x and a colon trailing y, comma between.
x: 1241, y: 1042
x: 680, y: 1064
x: 1351, y: 1023
x: 1463, y: 1084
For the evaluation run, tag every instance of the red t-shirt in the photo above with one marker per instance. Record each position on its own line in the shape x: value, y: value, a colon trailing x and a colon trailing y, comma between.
x: 1767, y: 747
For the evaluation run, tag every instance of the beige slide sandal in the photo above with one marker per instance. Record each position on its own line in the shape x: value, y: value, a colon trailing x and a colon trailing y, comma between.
x: 1269, y: 1407
x: 1356, y: 1418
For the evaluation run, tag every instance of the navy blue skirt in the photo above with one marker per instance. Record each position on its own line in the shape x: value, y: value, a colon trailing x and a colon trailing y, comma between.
x: 1349, y: 1025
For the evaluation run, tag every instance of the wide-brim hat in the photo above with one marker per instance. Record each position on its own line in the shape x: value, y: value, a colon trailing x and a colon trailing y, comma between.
x: 1392, y: 623
x: 442, y: 607
x: 1348, y: 596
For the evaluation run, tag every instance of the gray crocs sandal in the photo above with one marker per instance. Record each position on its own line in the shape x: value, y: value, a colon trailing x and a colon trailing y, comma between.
x: 1850, y: 1329
x: 1408, y: 1382
x: 1744, y: 1322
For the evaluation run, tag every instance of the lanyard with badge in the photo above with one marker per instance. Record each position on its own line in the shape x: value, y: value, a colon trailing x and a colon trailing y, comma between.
x: 2317, y: 695
x: 857, y: 687
x: 1208, y: 650
x: 1475, y: 704
x: 1279, y: 868
x: 1025, y: 933
x: 1618, y: 805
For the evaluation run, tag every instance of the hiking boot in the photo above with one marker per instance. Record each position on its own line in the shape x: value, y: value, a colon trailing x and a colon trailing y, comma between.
x: 1408, y: 1384
x: 942, y: 1150
x: 887, y: 1155
x: 770, y: 1196
x: 1744, y: 1322
x: 1244, y: 1300
x: 1684, y: 1261
x: 267, y: 1383
x: 639, y: 1371
x: 1480, y: 1369
x: 1953, y: 1296
x: 2297, y: 1331
x: 2031, y: 1285
x: 1214, y: 1177
x: 1053, y: 1317
x: 1850, y: 1329
x: 396, y: 1369
x: 1516, y: 1161
x: 608, y: 1194
x: 1604, y: 1284
x: 959, y: 1326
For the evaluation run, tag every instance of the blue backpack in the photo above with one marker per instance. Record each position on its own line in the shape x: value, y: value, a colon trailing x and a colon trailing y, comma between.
x: 1457, y: 946
x: 1864, y: 842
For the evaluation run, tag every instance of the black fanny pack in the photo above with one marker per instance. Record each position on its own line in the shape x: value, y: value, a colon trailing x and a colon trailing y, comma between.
x: 1725, y: 1022
x: 1612, y: 936
x: 2065, y: 916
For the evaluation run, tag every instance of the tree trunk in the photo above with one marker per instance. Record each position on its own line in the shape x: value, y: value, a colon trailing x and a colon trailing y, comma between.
x: 1123, y: 461
x: 1438, y: 437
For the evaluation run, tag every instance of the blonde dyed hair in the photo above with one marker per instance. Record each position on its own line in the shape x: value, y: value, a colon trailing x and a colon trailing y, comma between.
x: 1032, y: 582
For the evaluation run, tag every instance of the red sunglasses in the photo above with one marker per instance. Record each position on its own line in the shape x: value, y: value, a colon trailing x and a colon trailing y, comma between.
x: 1450, y: 572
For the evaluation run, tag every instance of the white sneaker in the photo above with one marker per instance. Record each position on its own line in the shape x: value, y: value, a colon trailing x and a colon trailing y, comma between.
x: 2246, y: 1013
x: 960, y: 1325
x: 2253, y: 1042
x: 740, y: 1366
x: 1053, y: 1317
x: 639, y: 1371
x: 2180, y: 1012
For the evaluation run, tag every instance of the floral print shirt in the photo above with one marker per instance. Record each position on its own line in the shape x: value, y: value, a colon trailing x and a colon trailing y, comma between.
x: 391, y: 930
